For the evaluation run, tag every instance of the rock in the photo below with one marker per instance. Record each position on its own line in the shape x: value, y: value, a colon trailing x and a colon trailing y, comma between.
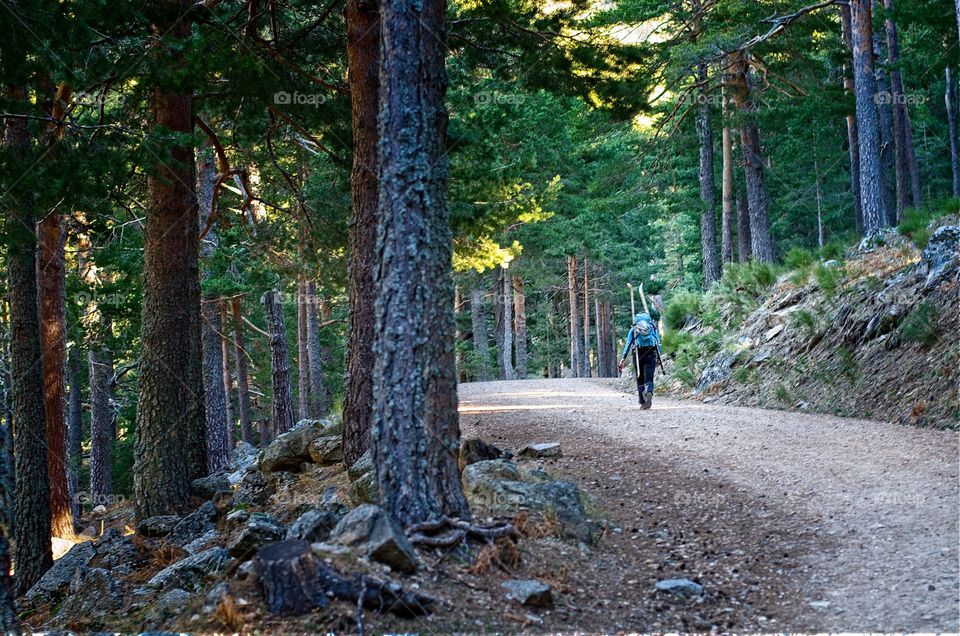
x: 159, y: 526
x: 197, y: 545
x: 170, y: 605
x: 289, y: 451
x: 879, y: 238
x: 236, y: 518
x: 772, y: 332
x: 192, y: 572
x: 60, y: 546
x: 99, y: 511
x: 257, y: 532
x: 115, y: 552
x: 475, y: 450
x: 679, y: 587
x: 531, y: 593
x: 497, y: 488
x: 194, y: 525
x: 719, y: 370
x: 93, y: 593
x: 373, y: 533
x: 55, y: 582
x: 216, y: 594
x: 327, y: 450
x: 550, y: 450
x: 941, y: 256
x: 253, y: 490
x: 361, y: 466
x: 363, y: 490
x: 243, y: 459
x: 316, y: 525
x: 211, y: 486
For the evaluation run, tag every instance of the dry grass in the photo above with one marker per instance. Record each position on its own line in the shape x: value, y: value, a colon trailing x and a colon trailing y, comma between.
x: 229, y: 615
x: 502, y: 554
x: 539, y: 527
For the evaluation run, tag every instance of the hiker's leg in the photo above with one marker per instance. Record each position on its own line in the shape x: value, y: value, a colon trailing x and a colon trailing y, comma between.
x: 641, y: 381
x: 649, y: 369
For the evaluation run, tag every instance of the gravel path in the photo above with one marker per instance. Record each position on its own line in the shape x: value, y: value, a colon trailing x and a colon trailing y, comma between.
x: 875, y: 506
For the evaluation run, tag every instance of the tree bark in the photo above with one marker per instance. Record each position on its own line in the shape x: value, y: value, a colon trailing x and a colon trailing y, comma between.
x: 481, y: 346
x: 9, y: 624
x: 227, y: 378
x: 726, y: 245
x: 761, y: 241
x: 708, y: 214
x: 520, y: 325
x: 908, y: 176
x: 585, y: 371
x: 243, y: 384
x: 852, y: 137
x: 75, y: 427
x: 53, y: 324
x: 282, y: 403
x: 303, y: 362
x: 416, y: 433
x: 506, y: 351
x: 498, y: 320
x: 170, y: 448
x: 319, y: 391
x: 363, y: 58
x: 33, y: 555
x: 101, y: 426
x: 887, y: 142
x: 743, y: 230
x: 951, y: 104
x: 601, y: 353
x: 868, y: 124
x: 576, y: 357
x: 214, y: 395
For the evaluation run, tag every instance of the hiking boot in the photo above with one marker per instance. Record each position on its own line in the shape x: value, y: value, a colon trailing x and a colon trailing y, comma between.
x: 646, y: 400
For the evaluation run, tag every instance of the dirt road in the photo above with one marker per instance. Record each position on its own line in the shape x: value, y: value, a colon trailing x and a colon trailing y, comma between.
x: 852, y: 524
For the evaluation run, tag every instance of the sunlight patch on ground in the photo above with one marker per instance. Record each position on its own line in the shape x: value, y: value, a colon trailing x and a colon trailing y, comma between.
x: 501, y: 408
x: 536, y: 394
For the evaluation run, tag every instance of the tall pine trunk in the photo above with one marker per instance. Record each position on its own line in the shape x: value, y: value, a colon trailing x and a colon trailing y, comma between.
x: 227, y: 377
x: 887, y: 143
x: 53, y: 325
x: 319, y: 391
x: 598, y: 327
x: 744, y: 248
x: 363, y: 58
x: 214, y: 396
x: 416, y: 433
x: 33, y: 555
x: 908, y: 174
x: 170, y: 448
x: 506, y: 351
x: 868, y: 123
x: 761, y: 241
x: 708, y: 213
x: 101, y: 425
x: 303, y: 362
x: 576, y: 357
x: 282, y: 402
x: 951, y: 104
x: 75, y: 426
x: 520, y: 327
x: 481, y: 341
x: 243, y: 383
x: 585, y: 371
x: 726, y: 196
x: 852, y: 136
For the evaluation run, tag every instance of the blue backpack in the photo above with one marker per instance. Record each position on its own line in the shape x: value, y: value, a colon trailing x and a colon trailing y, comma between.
x: 645, y: 332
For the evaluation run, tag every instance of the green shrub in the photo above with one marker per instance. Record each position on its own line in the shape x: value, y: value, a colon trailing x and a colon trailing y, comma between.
x: 745, y: 375
x: 681, y: 309
x: 849, y: 368
x: 782, y: 394
x: 763, y: 275
x: 806, y: 322
x: 832, y: 251
x: 674, y: 341
x: 799, y: 258
x: 914, y: 225
x: 828, y: 278
x: 920, y: 325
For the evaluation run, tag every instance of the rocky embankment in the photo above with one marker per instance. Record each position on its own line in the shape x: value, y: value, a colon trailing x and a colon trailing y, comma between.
x: 238, y: 561
x: 882, y: 343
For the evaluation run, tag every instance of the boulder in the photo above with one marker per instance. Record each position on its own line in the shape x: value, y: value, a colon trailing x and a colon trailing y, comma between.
x: 212, y: 485
x: 361, y: 466
x: 289, y: 451
x: 194, y: 525
x: 192, y: 572
x: 721, y: 366
x: 197, y: 545
x: 373, y: 533
x: 55, y: 582
x: 531, y: 593
x: 549, y: 450
x: 170, y: 605
x: 259, y: 530
x: 159, y: 526
x: 243, y: 459
x: 115, y: 552
x: 497, y: 487
x: 363, y: 490
x: 317, y: 524
x: 941, y: 256
x: 327, y: 450
x: 475, y: 450
x: 679, y: 587
x: 253, y: 490
x: 93, y: 594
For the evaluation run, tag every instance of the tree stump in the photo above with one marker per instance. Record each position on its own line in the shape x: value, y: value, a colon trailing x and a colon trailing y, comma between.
x: 289, y: 578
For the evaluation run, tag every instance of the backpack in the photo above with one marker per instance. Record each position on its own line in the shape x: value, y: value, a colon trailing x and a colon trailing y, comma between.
x: 645, y: 333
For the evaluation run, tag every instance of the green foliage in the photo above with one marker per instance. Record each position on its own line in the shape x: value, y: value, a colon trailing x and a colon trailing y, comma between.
x: 920, y: 325
x: 782, y: 394
x: 682, y: 309
x: 675, y: 341
x: 914, y: 226
x: 799, y: 258
x: 806, y: 322
x: 849, y: 367
x: 828, y: 278
x: 832, y: 250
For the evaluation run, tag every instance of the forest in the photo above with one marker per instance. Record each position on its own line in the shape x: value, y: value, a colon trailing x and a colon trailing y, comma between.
x: 228, y: 222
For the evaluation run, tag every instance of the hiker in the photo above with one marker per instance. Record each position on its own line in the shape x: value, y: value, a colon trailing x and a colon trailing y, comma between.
x: 644, y: 341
